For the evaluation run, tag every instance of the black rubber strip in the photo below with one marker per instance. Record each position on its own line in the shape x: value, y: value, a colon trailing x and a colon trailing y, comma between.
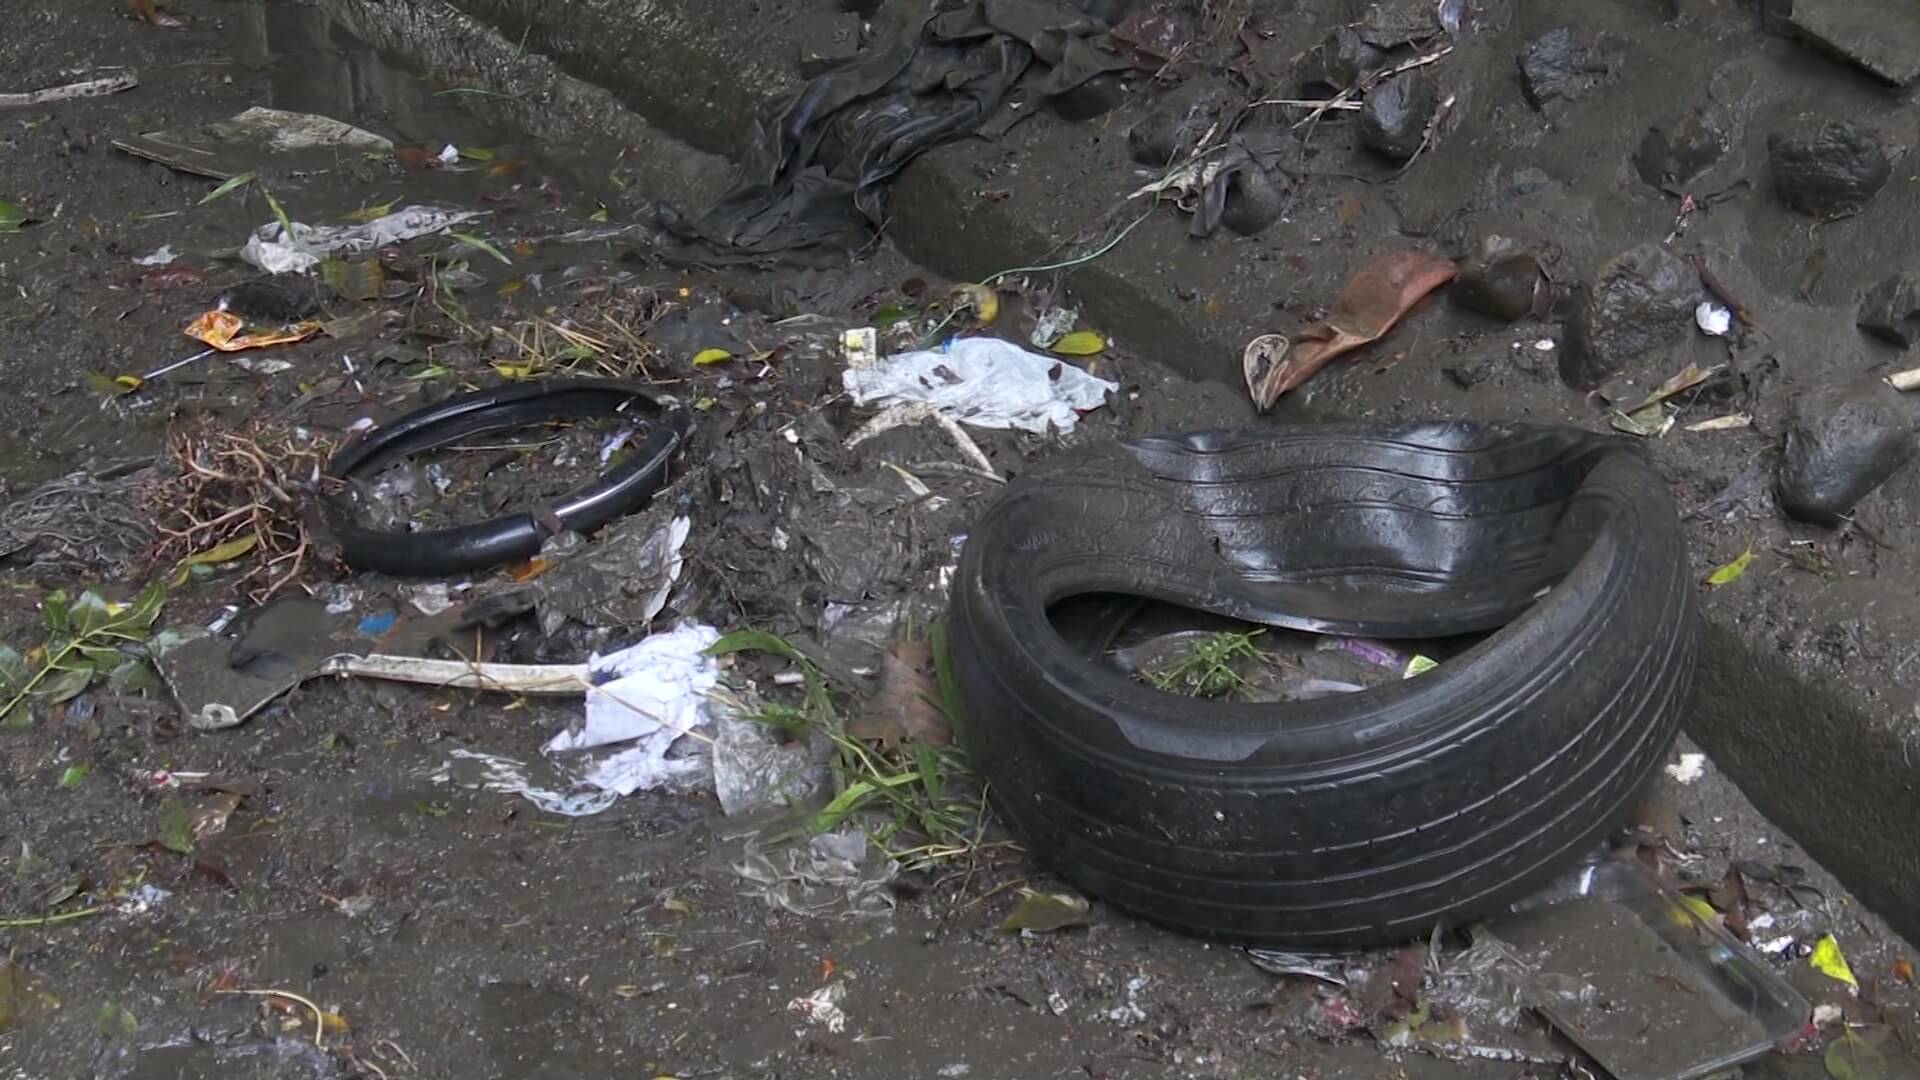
x: 466, y: 548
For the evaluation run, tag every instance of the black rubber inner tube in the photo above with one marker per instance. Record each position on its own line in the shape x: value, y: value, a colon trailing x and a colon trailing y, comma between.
x: 512, y: 537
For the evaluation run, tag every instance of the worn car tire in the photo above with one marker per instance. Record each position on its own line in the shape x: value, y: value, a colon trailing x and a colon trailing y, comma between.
x: 1360, y: 819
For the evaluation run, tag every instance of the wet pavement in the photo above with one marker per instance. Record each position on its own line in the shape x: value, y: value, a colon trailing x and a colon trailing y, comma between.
x: 345, y: 902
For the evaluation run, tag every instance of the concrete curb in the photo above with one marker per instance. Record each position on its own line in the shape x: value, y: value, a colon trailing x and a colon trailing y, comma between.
x: 1818, y: 758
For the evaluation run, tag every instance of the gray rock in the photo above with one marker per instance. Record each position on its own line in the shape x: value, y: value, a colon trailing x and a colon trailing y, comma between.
x: 1502, y: 283
x: 1394, y: 118
x: 1880, y: 36
x: 1176, y: 125
x: 1891, y: 309
x: 1830, y: 173
x: 1642, y: 299
x: 1344, y: 58
x: 1255, y: 200
x: 1842, y: 442
x: 1553, y: 66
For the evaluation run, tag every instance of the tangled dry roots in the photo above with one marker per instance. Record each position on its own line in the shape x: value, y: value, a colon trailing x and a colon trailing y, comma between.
x: 221, y: 487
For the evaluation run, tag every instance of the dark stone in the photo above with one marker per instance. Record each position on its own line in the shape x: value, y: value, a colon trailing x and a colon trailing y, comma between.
x: 1842, y: 442
x: 1394, y: 119
x: 1344, y: 58
x: 1471, y: 372
x: 1502, y: 283
x: 1641, y: 300
x: 1695, y: 144
x: 1176, y: 125
x: 1096, y: 97
x: 1891, y: 309
x: 1255, y: 200
x: 1550, y: 67
x: 1831, y: 173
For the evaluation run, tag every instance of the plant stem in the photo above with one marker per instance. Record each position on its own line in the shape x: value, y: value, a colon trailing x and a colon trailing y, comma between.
x: 48, y: 920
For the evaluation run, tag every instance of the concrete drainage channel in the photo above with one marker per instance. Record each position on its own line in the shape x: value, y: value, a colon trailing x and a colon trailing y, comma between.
x: 1825, y: 754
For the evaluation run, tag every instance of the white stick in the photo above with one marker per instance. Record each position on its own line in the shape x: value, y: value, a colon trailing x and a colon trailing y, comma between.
x: 124, y: 79
x: 556, y: 679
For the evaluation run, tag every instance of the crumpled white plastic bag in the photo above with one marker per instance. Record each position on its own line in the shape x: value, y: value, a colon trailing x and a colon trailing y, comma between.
x: 985, y: 382
x: 270, y: 249
x: 646, y: 697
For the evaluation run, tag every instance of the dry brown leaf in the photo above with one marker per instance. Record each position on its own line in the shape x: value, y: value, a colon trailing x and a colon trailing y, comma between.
x: 906, y: 707
x: 209, y: 816
x: 1375, y: 299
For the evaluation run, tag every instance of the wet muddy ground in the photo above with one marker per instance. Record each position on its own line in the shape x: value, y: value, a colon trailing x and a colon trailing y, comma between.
x: 330, y: 850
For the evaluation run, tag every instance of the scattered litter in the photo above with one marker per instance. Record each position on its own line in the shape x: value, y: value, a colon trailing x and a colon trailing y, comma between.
x: 504, y: 775
x: 754, y: 769
x: 1689, y: 768
x: 822, y: 1007
x: 1044, y: 912
x: 860, y: 347
x: 286, y: 131
x: 985, y: 382
x: 1378, y: 296
x: 1828, y: 960
x: 223, y: 330
x: 645, y: 698
x: 914, y: 412
x: 164, y: 256
x: 621, y: 579
x: 1713, y: 318
x: 837, y: 873
x: 1053, y: 324
x: 236, y: 149
x: 270, y: 249
x: 259, y: 366
x: 1331, y: 969
x: 449, y: 155
x: 119, y: 79
x: 1730, y: 422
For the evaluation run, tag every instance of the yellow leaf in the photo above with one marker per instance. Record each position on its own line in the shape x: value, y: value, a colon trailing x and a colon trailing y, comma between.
x: 711, y: 356
x: 1732, y: 571
x: 1419, y: 665
x: 1828, y: 960
x: 1080, y: 343
x: 1700, y: 908
x: 368, y: 213
x: 334, y: 1023
x: 128, y: 383
x: 514, y: 372
x: 224, y: 553
x: 982, y: 301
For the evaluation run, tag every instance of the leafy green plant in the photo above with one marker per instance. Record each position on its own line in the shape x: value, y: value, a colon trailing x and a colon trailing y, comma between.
x: 914, y: 789
x: 1207, y: 669
x: 86, y: 638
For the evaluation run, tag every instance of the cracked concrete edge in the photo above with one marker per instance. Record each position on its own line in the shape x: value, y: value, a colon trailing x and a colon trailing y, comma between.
x: 1808, y: 752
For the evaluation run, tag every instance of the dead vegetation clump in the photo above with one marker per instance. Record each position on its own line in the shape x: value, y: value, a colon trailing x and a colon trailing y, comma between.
x: 247, y: 497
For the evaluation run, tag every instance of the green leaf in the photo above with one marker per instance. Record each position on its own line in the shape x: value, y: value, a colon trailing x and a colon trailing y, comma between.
x: 832, y: 814
x: 12, y: 218
x: 711, y: 356
x: 1853, y: 1058
x: 130, y: 676
x: 1043, y: 913
x: 1731, y: 572
x: 145, y: 608
x: 600, y: 215
x: 74, y: 776
x: 101, y: 657
x: 90, y: 614
x: 927, y: 761
x: 115, y: 1019
x: 176, y: 827
x: 754, y: 641
x: 949, y: 682
x: 476, y: 242
x: 67, y: 684
x: 13, y: 671
x: 476, y: 153
x: 887, y: 315
x: 228, y: 188
x: 279, y: 214
x: 371, y: 212
x: 20, y: 719
x: 54, y: 607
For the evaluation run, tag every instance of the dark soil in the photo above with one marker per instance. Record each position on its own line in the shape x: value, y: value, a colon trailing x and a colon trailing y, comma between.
x: 443, y: 930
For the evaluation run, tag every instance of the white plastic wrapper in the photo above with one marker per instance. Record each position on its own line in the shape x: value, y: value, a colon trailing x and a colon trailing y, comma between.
x: 985, y: 382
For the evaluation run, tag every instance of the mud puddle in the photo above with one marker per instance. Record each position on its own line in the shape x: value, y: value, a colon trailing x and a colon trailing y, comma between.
x: 331, y: 848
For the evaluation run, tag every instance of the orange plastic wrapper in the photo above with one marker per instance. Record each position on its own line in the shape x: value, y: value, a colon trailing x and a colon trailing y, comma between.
x: 222, y: 330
